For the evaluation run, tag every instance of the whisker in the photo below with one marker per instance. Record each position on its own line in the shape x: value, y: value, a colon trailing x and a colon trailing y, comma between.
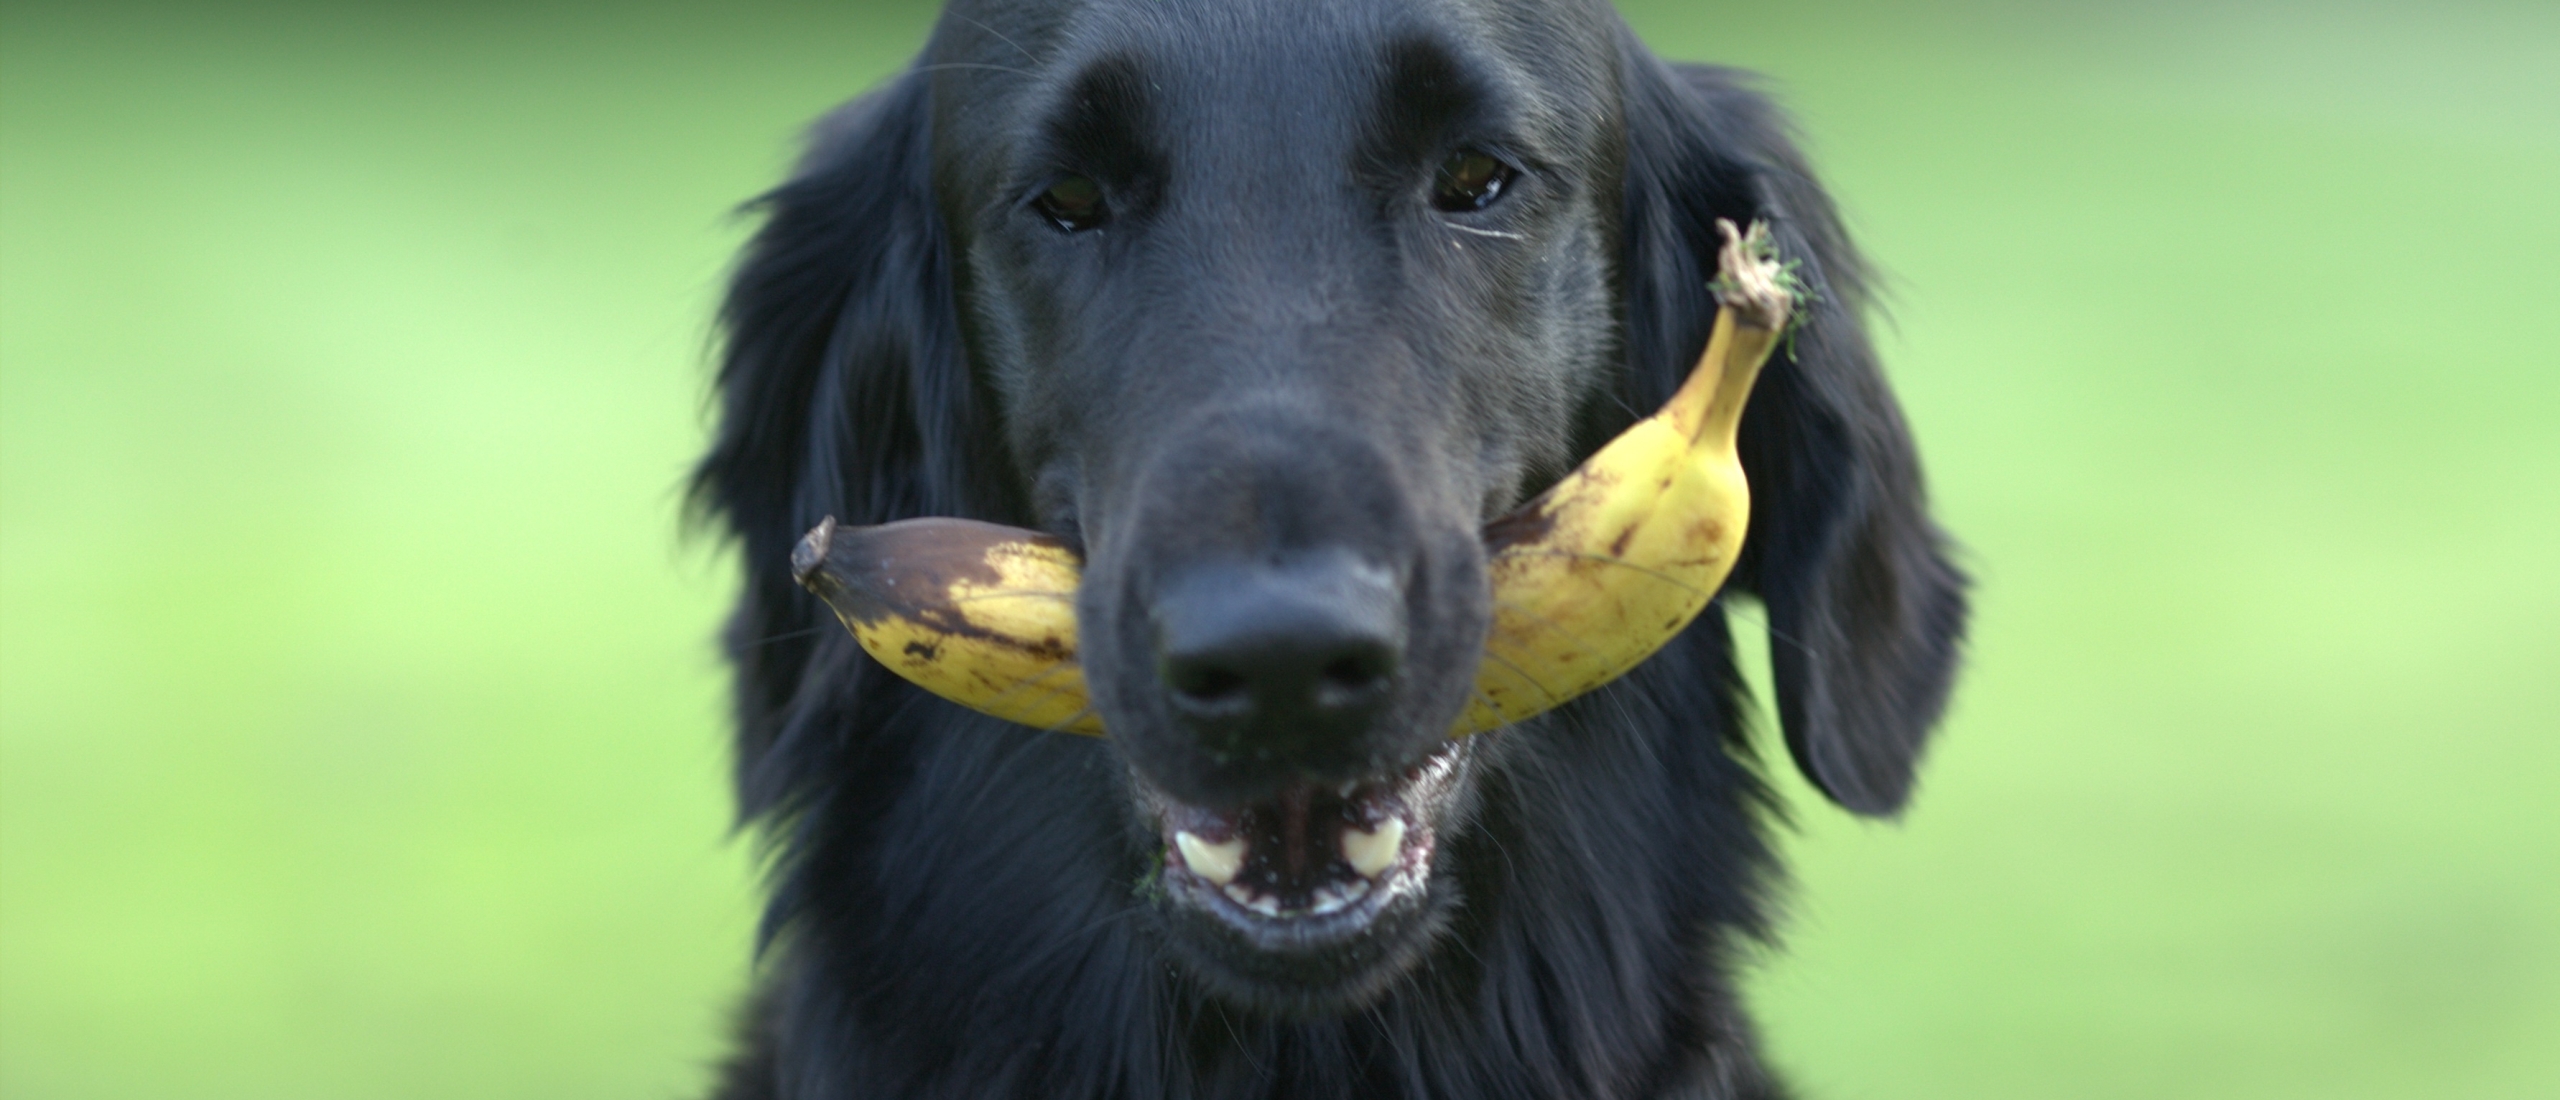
x: 1549, y: 623
x: 1250, y: 1059
x: 975, y: 65
x: 1011, y: 594
x: 1774, y: 633
x: 784, y: 636
x: 1000, y: 37
x: 1522, y: 673
x: 1490, y: 705
x: 1482, y: 232
x: 1116, y: 915
x: 1783, y: 636
x: 1622, y: 563
x: 1027, y: 682
x: 993, y: 780
x: 1072, y: 719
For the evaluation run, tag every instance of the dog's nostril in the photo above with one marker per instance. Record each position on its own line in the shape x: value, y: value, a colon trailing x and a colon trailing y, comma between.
x: 1355, y: 671
x: 1203, y: 686
x: 1347, y: 678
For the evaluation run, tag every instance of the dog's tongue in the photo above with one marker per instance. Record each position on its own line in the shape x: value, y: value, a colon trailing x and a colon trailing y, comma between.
x: 1291, y: 824
x: 1298, y: 837
x: 1291, y: 844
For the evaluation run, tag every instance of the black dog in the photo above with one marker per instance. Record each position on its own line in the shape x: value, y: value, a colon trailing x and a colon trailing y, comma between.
x: 1268, y: 305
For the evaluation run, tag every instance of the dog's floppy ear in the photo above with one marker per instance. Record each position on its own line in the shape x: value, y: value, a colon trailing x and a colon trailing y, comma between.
x: 842, y: 391
x: 1866, y: 612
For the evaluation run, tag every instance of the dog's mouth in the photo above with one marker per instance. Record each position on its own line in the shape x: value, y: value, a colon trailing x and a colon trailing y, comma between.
x: 1313, y: 866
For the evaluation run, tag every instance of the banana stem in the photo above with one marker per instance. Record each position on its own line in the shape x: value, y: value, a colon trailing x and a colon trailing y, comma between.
x: 1753, y: 304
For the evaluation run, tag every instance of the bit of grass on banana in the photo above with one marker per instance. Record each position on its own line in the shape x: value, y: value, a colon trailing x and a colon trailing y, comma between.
x: 1589, y: 579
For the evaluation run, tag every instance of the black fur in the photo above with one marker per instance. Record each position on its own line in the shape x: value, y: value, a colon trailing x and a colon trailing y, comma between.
x: 958, y: 905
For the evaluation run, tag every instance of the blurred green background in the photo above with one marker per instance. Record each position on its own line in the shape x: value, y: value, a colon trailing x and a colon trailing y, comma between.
x: 361, y: 736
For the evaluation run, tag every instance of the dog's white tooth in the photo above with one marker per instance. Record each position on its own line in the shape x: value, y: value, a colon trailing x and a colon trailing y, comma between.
x: 1358, y: 889
x: 1266, y: 905
x: 1216, y: 862
x: 1372, y: 852
x: 1241, y: 896
x: 1328, y: 900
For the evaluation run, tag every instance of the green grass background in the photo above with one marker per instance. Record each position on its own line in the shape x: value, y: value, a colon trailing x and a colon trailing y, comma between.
x: 360, y: 735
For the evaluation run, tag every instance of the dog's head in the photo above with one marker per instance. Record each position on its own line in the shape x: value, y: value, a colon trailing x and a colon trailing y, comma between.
x: 1269, y: 306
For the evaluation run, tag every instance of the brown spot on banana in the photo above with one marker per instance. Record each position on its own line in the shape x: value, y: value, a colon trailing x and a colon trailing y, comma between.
x: 1523, y: 527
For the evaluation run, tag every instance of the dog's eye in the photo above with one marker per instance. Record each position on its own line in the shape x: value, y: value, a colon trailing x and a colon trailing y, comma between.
x: 1469, y: 180
x: 1074, y: 203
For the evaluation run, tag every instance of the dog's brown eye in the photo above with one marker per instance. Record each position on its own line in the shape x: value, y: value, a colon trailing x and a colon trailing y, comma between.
x: 1074, y: 203
x: 1469, y: 180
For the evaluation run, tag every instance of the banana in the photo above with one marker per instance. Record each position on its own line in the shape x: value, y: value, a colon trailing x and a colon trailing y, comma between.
x: 976, y: 613
x: 1589, y: 578
x: 1607, y: 565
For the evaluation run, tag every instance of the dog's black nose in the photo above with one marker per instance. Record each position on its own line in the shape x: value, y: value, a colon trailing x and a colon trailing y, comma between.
x: 1286, y: 663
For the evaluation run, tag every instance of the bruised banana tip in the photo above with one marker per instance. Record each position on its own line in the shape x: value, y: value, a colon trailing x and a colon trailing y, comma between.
x: 810, y: 555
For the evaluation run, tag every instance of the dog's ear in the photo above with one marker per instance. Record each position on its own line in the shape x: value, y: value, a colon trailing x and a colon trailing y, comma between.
x: 1866, y: 612
x: 843, y: 391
